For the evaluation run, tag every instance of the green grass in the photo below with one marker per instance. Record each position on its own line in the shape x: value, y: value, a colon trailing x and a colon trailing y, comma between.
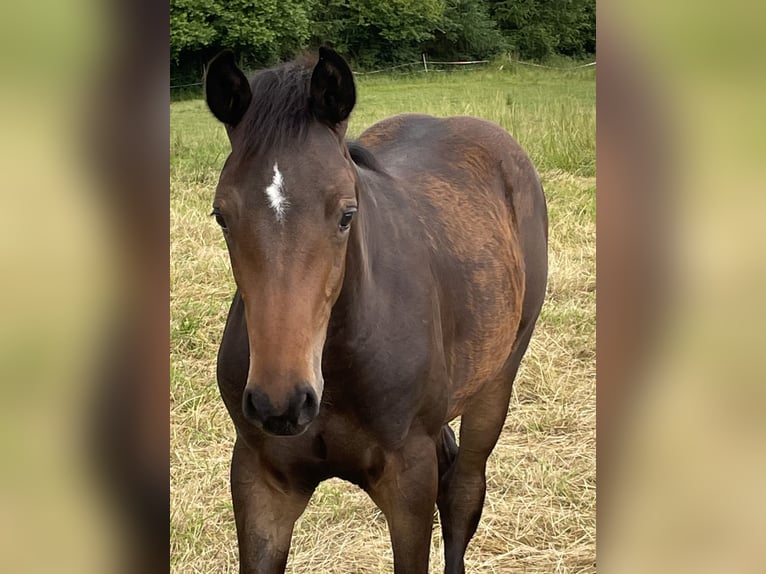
x: 540, y: 509
x: 551, y: 113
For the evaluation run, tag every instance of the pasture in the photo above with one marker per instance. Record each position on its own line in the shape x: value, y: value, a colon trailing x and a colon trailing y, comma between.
x: 539, y: 515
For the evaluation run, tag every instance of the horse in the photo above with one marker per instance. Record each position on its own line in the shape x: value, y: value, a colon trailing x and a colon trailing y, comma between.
x: 384, y: 287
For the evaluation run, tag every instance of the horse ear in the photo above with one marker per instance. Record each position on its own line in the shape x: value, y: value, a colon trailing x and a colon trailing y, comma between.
x: 333, y: 94
x: 227, y: 90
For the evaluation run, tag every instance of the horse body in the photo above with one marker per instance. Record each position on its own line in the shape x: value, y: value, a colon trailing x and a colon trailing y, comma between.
x: 444, y: 276
x: 469, y: 179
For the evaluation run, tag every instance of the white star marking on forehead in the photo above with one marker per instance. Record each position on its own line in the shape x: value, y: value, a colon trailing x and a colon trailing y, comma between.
x: 276, y: 195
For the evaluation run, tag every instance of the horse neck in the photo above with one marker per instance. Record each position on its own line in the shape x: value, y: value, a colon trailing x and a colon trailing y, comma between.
x: 362, y: 238
x: 359, y: 282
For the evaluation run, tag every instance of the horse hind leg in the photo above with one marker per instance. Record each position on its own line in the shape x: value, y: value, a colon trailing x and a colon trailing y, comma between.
x: 462, y: 486
x: 447, y: 451
x: 462, y: 477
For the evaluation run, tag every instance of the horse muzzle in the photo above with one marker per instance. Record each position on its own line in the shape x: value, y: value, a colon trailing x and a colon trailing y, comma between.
x: 301, y: 408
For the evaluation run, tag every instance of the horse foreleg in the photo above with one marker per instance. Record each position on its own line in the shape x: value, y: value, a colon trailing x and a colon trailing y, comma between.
x: 406, y: 493
x: 265, y: 511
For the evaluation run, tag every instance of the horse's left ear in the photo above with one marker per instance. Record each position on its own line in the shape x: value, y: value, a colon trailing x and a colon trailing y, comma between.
x: 333, y: 94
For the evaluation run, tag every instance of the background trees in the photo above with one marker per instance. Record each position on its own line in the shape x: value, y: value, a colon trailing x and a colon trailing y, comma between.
x: 378, y: 32
x: 541, y: 28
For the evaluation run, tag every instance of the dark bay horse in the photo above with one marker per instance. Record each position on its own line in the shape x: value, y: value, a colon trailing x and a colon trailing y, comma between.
x: 384, y: 287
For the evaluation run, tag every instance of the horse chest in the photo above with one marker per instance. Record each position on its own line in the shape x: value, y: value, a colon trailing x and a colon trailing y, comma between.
x: 350, y: 451
x: 381, y: 414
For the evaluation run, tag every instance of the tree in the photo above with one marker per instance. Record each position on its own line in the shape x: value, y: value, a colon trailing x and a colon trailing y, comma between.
x: 539, y: 28
x: 261, y: 31
x: 466, y: 30
x: 376, y: 32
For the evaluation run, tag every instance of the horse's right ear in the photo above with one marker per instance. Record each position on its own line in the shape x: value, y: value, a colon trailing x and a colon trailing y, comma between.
x: 227, y: 90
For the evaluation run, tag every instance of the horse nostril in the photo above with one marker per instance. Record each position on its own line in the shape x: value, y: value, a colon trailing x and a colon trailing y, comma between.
x: 256, y: 406
x: 248, y: 408
x: 307, y: 406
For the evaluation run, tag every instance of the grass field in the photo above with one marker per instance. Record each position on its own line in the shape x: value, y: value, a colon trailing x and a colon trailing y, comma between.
x: 539, y: 515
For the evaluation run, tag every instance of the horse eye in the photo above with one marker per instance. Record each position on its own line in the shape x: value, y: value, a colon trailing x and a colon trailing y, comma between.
x: 219, y: 218
x: 345, y: 219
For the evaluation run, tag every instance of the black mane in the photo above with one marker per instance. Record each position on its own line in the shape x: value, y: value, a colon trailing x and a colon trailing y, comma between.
x: 363, y: 157
x: 280, y: 109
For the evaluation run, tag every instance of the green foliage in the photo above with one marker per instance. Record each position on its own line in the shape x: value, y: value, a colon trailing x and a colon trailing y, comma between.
x: 540, y: 28
x: 190, y: 26
x: 374, y: 33
x: 466, y: 30
x: 263, y: 31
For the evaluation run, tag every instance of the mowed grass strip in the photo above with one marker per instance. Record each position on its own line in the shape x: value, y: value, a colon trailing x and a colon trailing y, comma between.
x: 539, y: 515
